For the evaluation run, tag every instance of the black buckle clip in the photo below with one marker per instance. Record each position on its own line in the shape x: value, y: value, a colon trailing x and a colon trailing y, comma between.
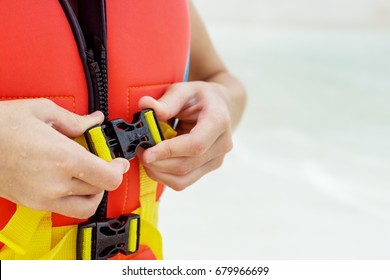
x: 123, y: 138
x: 105, y: 239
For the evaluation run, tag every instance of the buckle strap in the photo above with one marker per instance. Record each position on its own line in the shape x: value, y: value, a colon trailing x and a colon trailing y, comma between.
x: 104, y: 239
x: 19, y: 231
x: 122, y: 139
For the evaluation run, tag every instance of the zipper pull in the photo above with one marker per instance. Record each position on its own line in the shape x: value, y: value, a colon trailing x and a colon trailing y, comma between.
x: 99, y: 82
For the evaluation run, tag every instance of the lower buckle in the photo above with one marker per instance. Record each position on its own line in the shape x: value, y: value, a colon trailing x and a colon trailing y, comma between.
x: 105, y: 239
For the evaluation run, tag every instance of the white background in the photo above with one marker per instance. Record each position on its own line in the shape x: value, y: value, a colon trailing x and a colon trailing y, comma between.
x: 309, y: 177
x: 215, y: 269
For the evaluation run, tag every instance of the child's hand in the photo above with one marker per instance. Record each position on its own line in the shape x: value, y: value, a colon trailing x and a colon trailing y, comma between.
x: 204, y: 133
x: 42, y: 168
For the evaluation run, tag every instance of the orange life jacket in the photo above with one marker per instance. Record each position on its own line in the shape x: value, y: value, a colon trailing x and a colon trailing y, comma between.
x: 147, y: 50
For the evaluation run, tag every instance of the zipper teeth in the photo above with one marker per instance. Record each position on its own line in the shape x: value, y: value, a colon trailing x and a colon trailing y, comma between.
x: 82, y: 48
x: 100, y: 82
x: 97, y: 81
x: 103, y: 87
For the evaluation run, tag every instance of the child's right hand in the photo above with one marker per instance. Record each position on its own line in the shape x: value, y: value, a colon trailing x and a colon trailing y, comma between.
x: 42, y: 168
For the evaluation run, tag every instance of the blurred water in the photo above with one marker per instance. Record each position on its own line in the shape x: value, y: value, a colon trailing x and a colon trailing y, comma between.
x: 309, y: 177
x: 304, y: 13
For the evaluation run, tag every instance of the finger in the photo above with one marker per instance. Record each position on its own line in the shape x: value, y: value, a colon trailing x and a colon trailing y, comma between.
x: 98, y: 172
x: 73, y: 125
x: 196, y: 143
x: 71, y: 187
x: 66, y: 122
x: 184, y: 165
x: 175, y: 99
x: 79, y: 187
x: 80, y: 207
x: 180, y: 182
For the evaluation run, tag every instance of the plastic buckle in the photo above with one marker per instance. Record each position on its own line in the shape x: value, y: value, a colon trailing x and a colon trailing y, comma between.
x: 105, y: 239
x: 123, y: 138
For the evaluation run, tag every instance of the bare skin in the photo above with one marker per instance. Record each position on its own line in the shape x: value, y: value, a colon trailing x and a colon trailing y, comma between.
x: 209, y: 107
x: 42, y: 168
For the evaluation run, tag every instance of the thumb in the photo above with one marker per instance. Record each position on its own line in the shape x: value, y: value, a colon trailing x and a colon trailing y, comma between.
x: 121, y: 163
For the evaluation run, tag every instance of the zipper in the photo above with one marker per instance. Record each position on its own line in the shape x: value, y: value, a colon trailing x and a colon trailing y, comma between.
x: 89, y: 30
x: 99, y: 83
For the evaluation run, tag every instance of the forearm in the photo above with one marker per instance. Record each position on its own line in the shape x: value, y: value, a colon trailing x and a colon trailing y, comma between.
x: 207, y: 66
x: 209, y: 107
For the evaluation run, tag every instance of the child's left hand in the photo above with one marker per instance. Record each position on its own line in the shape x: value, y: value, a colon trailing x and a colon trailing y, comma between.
x: 204, y: 133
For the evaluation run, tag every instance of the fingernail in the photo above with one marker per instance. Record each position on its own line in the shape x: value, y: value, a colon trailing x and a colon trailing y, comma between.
x: 127, y: 167
x: 95, y: 114
x: 149, y: 157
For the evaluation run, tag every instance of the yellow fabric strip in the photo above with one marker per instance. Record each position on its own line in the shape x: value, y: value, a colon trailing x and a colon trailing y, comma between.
x: 152, y: 238
x: 132, y: 245
x: 29, y: 233
x: 167, y: 130
x: 99, y: 143
x: 148, y: 189
x: 82, y: 141
x: 59, y: 243
x: 29, y: 236
x: 21, y: 228
x: 86, y: 243
x: 65, y: 249
x: 61, y: 251
x: 147, y: 196
x: 151, y: 121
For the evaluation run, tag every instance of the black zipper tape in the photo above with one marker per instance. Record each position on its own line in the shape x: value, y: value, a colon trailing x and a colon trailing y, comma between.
x: 89, y: 31
x: 92, y: 20
x: 82, y: 47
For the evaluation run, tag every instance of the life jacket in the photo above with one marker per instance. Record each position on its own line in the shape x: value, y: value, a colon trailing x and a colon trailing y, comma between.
x: 147, y: 50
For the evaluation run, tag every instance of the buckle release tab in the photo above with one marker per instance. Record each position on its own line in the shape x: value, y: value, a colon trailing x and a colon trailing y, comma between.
x: 104, y: 239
